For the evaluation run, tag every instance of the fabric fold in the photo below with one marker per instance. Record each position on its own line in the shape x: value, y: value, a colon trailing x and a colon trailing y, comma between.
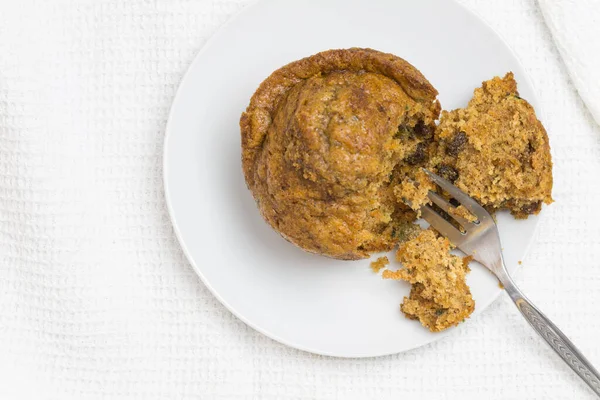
x: 575, y: 28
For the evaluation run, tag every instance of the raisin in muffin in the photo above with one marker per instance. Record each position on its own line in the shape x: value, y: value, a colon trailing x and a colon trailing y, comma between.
x: 325, y: 138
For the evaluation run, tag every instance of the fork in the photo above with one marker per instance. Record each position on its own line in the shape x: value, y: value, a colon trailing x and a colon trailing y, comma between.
x: 480, y: 239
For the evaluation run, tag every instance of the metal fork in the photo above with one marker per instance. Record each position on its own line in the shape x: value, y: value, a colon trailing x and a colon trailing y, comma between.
x: 480, y: 239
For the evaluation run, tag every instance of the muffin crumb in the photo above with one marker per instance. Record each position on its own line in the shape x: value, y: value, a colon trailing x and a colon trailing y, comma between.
x: 414, y: 191
x: 461, y: 211
x: 379, y: 264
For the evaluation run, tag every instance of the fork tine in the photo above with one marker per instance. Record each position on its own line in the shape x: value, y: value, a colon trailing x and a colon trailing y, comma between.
x: 459, y: 196
x: 442, y: 226
x: 446, y: 206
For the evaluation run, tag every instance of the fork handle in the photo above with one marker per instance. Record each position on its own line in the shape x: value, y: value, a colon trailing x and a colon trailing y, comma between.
x: 555, y: 338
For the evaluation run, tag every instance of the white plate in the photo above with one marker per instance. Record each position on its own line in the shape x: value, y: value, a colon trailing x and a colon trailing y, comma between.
x: 313, y: 303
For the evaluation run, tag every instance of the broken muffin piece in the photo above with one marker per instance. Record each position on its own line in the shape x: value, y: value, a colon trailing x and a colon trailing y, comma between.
x: 496, y: 150
x: 440, y: 297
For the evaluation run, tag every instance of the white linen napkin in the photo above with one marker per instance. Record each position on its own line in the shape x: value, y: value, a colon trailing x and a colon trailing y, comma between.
x: 575, y: 27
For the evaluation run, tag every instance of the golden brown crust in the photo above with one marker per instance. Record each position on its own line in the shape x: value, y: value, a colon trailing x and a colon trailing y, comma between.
x: 320, y: 140
x: 257, y: 118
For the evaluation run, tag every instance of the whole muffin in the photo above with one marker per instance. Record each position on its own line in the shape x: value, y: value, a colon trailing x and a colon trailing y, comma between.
x: 325, y: 138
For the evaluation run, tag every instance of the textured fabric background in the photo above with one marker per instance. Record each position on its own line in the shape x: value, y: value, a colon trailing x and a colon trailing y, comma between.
x: 96, y: 298
x: 575, y: 28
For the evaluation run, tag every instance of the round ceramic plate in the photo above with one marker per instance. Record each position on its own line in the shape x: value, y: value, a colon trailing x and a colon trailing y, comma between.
x: 310, y: 302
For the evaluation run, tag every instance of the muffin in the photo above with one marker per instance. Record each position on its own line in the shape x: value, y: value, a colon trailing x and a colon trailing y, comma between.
x: 333, y: 147
x: 324, y: 141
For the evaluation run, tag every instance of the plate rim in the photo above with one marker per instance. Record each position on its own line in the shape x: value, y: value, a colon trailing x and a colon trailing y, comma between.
x: 165, y: 168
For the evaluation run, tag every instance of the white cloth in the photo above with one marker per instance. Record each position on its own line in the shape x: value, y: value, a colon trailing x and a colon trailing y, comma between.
x: 96, y: 298
x: 575, y: 27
